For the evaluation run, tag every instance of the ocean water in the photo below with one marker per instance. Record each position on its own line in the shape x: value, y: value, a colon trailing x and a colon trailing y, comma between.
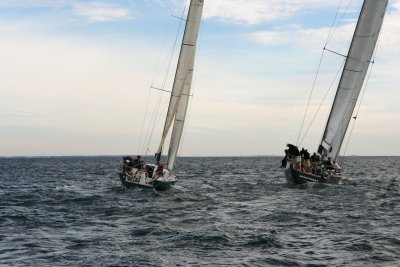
x: 239, y: 211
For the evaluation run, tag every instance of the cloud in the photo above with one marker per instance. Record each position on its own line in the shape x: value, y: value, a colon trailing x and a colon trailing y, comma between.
x: 296, y: 35
x: 94, y: 11
x: 100, y: 12
x: 36, y: 3
x: 314, y: 38
x: 258, y: 11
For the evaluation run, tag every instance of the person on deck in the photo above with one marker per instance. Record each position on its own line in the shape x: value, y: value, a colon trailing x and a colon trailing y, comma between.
x: 314, y: 162
x: 306, y: 161
x: 338, y: 170
x: 302, y: 152
x: 160, y: 170
x: 284, y: 160
x: 128, y: 165
x: 139, y: 163
x: 293, y: 150
x: 294, y: 155
x: 328, y: 164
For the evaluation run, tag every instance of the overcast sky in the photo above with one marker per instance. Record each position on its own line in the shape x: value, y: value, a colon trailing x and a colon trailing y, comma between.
x: 75, y: 76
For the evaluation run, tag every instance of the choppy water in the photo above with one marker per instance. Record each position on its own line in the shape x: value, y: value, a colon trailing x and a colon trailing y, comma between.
x: 73, y: 211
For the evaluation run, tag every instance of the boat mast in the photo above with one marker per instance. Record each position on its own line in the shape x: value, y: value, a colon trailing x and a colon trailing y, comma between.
x: 182, y: 81
x: 355, y: 69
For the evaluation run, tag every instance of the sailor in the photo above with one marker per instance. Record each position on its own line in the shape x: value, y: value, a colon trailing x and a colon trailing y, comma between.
x: 160, y: 170
x: 318, y: 157
x: 130, y: 162
x: 313, y: 157
x: 293, y: 150
x: 294, y: 155
x: 314, y: 161
x: 123, y: 163
x: 338, y: 170
x: 328, y: 164
x: 139, y: 163
x: 302, y: 152
x: 284, y: 160
x: 306, y: 160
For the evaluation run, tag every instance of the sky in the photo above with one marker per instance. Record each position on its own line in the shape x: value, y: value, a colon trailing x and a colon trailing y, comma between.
x: 75, y: 77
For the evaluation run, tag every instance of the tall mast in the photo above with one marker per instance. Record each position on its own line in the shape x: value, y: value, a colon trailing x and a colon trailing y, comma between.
x: 183, y: 75
x: 355, y: 69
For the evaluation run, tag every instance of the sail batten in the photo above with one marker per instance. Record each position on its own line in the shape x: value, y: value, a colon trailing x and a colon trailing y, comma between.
x: 354, y: 72
x: 182, y: 83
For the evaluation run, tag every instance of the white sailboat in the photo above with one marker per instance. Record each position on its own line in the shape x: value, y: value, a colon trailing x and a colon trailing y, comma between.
x: 155, y: 175
x: 353, y: 75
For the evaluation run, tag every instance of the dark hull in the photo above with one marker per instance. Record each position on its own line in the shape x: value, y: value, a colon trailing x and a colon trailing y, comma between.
x: 299, y: 177
x: 162, y: 185
x: 156, y: 185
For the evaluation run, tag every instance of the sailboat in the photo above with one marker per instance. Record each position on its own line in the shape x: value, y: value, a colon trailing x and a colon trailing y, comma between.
x: 133, y: 173
x: 353, y: 75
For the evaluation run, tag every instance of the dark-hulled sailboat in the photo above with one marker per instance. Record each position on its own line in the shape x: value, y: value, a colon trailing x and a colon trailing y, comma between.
x: 155, y: 175
x: 353, y: 75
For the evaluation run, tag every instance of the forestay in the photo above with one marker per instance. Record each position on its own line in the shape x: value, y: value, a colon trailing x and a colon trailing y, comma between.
x: 353, y: 75
x: 182, y: 83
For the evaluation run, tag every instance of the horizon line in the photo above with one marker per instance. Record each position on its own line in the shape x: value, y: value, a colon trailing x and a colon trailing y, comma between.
x: 220, y: 156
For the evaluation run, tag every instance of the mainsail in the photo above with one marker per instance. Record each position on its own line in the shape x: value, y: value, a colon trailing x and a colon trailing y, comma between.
x: 353, y: 75
x: 182, y: 83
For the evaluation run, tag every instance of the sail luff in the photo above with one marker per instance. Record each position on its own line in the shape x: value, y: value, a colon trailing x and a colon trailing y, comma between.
x: 186, y: 54
x: 353, y: 75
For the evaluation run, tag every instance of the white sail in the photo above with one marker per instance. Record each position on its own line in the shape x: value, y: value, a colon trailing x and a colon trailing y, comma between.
x: 179, y: 120
x: 183, y: 78
x: 354, y: 72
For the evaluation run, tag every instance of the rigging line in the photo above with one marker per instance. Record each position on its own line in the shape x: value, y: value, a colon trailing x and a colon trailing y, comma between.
x: 339, y: 21
x: 150, y: 123
x: 156, y: 70
x: 330, y: 35
x: 165, y: 80
x: 323, y: 100
x: 159, y: 89
x: 358, y: 109
x: 333, y: 24
x: 143, y: 123
x: 178, y: 17
x: 334, y: 52
x: 158, y: 67
x: 309, y: 98
x: 143, y: 147
x: 152, y: 130
x: 164, y: 109
x: 173, y: 49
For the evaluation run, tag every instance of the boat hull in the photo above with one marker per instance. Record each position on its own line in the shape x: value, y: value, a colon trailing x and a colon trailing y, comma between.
x: 299, y: 177
x: 158, y: 184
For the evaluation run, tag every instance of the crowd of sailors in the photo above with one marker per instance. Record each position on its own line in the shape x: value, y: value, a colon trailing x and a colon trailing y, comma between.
x: 132, y: 166
x: 302, y: 161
